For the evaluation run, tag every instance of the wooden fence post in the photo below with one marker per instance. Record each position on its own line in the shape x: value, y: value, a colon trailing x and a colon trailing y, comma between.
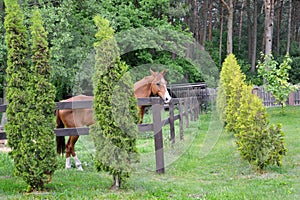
x: 186, y: 111
x: 180, y: 119
x: 291, y: 100
x: 158, y: 138
x: 172, y: 127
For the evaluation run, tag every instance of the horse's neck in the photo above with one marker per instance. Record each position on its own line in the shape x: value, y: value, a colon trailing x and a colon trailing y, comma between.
x: 142, y: 88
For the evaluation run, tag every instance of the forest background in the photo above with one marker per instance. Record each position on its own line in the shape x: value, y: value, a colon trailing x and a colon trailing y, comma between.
x: 246, y: 28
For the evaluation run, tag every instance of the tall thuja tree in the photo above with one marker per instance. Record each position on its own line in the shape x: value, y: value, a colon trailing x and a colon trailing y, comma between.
x: 30, y: 100
x: 38, y: 147
x: 115, y: 110
x: 2, y: 46
x: 229, y: 91
x: 17, y: 80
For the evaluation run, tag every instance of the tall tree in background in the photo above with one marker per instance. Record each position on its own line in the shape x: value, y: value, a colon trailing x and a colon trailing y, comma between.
x: 241, y: 24
x: 221, y: 33
x: 230, y: 9
x: 289, y: 28
x: 203, y: 22
x: 71, y: 42
x: 254, y: 37
x: 269, y: 25
x: 278, y: 28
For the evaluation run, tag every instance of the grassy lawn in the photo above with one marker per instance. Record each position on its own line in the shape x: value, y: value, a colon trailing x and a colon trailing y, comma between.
x: 221, y: 174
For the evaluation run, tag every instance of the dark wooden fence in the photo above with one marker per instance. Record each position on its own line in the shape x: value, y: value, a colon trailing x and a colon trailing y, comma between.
x: 188, y: 109
x: 198, y: 90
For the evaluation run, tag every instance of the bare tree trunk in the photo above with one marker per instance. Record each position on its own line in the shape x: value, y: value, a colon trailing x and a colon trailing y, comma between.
x: 249, y: 30
x: 196, y: 20
x: 269, y: 20
x: 279, y: 16
x: 241, y: 25
x: 295, y: 25
x: 254, y: 35
x: 210, y: 20
x: 221, y: 35
x: 193, y: 19
x: 289, y: 28
x: 204, y: 22
x: 230, y: 9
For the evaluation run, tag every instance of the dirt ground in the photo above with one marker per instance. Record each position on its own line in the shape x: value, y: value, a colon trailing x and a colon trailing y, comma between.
x: 3, y: 146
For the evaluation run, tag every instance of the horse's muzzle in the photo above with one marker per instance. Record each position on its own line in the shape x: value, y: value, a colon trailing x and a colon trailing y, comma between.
x: 167, y: 98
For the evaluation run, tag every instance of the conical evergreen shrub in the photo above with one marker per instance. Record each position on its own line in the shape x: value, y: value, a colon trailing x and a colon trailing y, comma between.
x: 115, y: 108
x: 258, y: 142
x: 231, y: 81
x: 30, y: 119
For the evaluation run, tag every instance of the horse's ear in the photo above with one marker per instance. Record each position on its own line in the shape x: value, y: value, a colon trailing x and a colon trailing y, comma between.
x: 152, y: 72
x: 163, y: 72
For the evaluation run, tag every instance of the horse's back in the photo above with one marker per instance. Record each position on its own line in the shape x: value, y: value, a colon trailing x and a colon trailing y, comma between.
x: 78, y: 98
x: 77, y: 117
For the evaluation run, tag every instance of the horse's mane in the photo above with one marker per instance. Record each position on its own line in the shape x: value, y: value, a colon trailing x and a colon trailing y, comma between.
x: 142, y: 82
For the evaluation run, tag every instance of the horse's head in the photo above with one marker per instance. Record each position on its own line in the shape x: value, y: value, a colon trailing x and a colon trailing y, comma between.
x: 159, y: 85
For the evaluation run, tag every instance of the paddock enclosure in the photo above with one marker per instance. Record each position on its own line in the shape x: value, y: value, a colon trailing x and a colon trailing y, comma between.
x: 187, y: 100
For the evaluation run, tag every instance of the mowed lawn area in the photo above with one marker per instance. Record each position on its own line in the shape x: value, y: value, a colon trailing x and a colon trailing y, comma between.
x: 221, y: 174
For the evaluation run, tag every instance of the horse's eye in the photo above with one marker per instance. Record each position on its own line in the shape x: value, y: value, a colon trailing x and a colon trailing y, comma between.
x: 158, y: 84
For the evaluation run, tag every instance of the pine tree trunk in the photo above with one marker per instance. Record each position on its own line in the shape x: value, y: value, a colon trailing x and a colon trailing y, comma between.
x: 230, y: 29
x: 279, y: 17
x: 249, y: 30
x: 204, y: 22
x: 241, y: 25
x: 196, y: 20
x: 254, y: 35
x: 210, y: 20
x: 230, y: 9
x: 221, y: 35
x: 289, y: 28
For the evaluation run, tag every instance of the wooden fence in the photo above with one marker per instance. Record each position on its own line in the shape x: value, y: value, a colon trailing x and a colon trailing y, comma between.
x: 188, y: 109
x: 269, y: 100
x: 198, y: 90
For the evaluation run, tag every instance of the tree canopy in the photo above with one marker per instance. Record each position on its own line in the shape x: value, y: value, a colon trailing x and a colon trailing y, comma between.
x: 71, y: 33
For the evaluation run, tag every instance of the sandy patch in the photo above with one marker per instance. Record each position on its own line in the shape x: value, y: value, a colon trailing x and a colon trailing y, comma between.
x: 3, y: 147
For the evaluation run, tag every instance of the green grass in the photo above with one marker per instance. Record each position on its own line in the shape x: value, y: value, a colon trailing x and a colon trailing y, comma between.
x: 221, y: 174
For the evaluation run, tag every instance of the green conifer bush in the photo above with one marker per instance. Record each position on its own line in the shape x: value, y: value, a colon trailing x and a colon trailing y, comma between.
x: 17, y: 79
x: 260, y: 143
x: 30, y: 119
x: 230, y: 84
x: 115, y: 108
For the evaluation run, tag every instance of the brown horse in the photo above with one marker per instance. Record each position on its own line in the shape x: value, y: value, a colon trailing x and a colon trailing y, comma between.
x: 69, y: 119
x: 148, y: 86
x: 151, y: 86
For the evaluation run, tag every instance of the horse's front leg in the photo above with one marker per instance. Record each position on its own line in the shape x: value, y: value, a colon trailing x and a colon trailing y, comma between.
x: 78, y: 163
